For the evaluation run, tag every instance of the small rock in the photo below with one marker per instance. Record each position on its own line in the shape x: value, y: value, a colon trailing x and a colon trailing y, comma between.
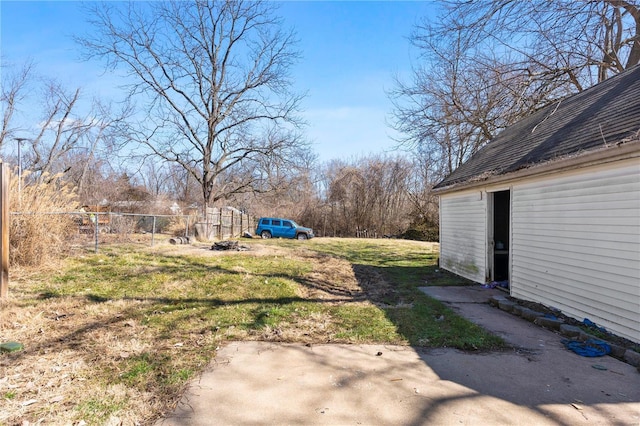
x: 584, y: 336
x: 617, y: 351
x: 506, y: 305
x: 550, y: 323
x: 517, y: 310
x: 530, y: 314
x: 569, y: 330
x: 632, y: 357
x: 495, y: 300
x: 113, y: 421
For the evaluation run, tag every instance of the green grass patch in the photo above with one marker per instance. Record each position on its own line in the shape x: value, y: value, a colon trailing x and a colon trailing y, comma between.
x: 364, y: 324
x: 137, y: 369
x: 406, y: 266
x: 98, y: 409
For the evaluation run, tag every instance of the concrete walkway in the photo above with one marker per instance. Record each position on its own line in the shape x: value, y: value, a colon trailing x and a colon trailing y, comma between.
x: 538, y: 382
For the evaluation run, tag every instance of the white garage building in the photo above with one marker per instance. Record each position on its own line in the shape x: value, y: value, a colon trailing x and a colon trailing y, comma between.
x: 551, y: 208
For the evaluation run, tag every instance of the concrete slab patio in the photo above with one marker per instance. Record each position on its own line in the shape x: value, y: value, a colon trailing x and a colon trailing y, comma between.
x: 537, y: 382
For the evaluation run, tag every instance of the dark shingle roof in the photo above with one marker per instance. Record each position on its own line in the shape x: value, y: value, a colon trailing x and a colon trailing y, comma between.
x: 603, y: 115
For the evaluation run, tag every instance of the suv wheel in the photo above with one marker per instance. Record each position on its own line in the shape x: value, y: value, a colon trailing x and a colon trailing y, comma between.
x: 302, y: 236
x: 265, y: 234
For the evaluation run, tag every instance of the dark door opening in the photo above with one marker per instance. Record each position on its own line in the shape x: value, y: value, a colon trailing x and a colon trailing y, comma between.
x: 501, y: 215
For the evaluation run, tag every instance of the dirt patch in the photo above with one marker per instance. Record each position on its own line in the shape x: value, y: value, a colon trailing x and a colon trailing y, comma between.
x: 201, y: 249
x: 331, y: 279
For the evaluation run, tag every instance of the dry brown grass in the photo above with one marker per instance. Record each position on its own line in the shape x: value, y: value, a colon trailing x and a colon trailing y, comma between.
x: 36, y: 236
x: 63, y: 349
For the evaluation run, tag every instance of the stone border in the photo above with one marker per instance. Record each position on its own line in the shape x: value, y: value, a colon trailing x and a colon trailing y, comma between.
x: 558, y: 325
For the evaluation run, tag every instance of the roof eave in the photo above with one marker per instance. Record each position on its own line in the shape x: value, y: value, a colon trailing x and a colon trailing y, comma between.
x: 603, y: 155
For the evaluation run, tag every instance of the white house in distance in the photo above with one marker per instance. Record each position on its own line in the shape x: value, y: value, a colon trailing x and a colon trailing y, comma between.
x: 552, y: 206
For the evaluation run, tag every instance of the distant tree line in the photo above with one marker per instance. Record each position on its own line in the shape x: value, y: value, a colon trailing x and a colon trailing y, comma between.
x: 374, y: 196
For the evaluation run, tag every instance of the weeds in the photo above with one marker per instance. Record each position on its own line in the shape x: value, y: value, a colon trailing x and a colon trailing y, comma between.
x: 38, y: 237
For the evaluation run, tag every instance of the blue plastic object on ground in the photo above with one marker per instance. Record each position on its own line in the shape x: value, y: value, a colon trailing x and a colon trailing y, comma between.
x: 593, y: 325
x: 588, y: 348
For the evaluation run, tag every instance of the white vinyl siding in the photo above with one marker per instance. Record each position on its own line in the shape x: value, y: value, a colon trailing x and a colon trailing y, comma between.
x: 576, y: 245
x: 463, y: 224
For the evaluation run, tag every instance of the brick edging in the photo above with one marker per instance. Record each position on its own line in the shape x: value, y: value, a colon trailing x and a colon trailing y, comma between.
x: 558, y: 325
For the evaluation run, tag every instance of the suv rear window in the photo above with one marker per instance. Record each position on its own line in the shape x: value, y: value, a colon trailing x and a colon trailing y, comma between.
x: 276, y: 223
x: 265, y: 221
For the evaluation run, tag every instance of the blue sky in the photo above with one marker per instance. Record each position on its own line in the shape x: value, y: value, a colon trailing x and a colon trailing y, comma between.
x: 351, y: 52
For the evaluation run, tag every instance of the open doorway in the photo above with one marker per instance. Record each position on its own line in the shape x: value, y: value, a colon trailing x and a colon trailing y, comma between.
x: 501, y: 205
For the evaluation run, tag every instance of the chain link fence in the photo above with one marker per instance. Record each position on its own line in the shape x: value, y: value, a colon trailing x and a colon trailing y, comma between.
x: 110, y: 227
x: 91, y: 229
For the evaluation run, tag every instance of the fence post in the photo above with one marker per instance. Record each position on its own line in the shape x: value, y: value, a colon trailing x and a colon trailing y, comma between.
x: 233, y: 223
x: 4, y: 231
x: 153, y: 231
x: 96, y: 230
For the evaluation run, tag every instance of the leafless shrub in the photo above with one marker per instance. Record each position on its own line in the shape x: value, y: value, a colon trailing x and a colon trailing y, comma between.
x: 176, y: 226
x: 123, y: 225
x: 38, y: 234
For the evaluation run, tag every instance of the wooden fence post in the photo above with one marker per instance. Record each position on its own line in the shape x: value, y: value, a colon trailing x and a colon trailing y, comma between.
x: 96, y: 230
x: 4, y: 231
x: 233, y: 223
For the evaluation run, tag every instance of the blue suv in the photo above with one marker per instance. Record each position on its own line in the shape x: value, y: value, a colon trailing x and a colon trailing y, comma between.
x: 273, y: 227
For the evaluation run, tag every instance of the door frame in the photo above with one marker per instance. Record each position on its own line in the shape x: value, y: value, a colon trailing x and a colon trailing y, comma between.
x: 490, y: 195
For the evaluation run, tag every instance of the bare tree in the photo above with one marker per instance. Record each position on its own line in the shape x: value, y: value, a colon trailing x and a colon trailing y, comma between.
x: 366, y: 197
x: 182, y: 185
x: 12, y: 91
x: 155, y: 178
x: 59, y: 130
x: 213, y: 79
x: 578, y: 42
x: 424, y: 204
x: 484, y: 65
x: 459, y: 99
x: 62, y: 134
x: 68, y: 135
